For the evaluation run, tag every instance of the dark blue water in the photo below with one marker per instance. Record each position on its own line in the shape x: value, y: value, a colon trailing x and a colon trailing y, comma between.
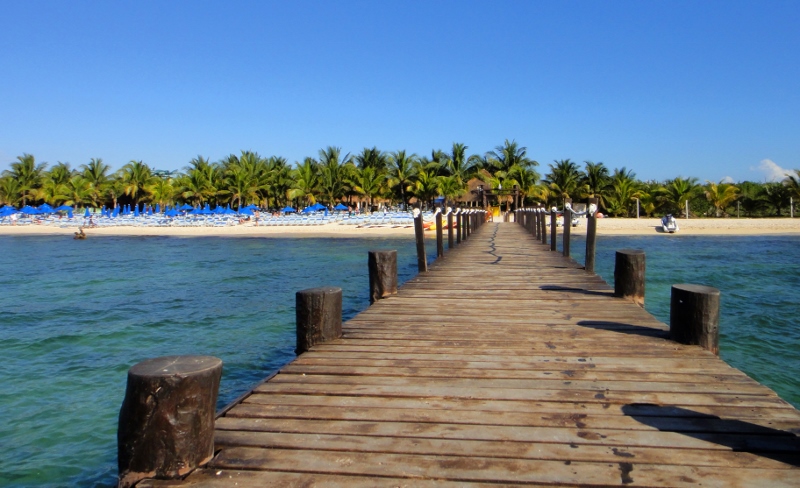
x: 76, y: 315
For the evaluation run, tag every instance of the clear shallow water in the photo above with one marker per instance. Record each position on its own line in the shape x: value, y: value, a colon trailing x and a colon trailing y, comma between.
x: 75, y: 315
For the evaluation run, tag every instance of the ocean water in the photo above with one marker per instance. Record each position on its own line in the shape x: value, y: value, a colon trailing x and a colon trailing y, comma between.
x: 76, y: 315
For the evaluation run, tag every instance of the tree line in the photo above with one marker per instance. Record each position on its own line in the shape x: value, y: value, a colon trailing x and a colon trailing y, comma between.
x: 395, y: 178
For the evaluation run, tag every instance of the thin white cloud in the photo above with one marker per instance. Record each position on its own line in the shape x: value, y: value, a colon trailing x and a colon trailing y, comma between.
x: 727, y: 179
x: 772, y: 172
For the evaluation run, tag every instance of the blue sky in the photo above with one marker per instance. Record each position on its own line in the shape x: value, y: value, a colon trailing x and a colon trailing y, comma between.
x: 699, y: 88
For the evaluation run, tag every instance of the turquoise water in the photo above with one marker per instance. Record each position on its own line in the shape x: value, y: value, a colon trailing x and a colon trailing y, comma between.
x: 77, y: 314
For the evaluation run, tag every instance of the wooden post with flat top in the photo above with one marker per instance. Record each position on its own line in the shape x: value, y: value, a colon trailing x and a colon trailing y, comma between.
x: 449, y: 228
x: 553, y: 219
x: 694, y: 316
x: 629, y: 271
x: 319, y: 316
x: 382, y: 274
x: 166, y: 423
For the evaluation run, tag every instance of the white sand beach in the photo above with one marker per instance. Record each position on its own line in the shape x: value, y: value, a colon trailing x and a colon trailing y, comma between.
x: 605, y: 226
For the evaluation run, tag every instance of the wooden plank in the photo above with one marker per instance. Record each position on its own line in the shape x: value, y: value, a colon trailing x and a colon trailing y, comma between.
x: 505, y: 364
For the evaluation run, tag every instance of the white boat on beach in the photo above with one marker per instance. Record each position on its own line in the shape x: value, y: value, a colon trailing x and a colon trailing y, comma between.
x: 669, y: 224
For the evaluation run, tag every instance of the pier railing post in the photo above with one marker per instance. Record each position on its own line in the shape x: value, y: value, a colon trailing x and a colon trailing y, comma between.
x: 459, y: 225
x: 553, y: 218
x: 319, y: 316
x: 166, y: 423
x: 449, y: 228
x: 467, y: 221
x: 567, y: 226
x: 419, y: 233
x: 629, y: 272
x: 591, y: 235
x: 382, y: 274
x: 543, y: 224
x: 439, y: 235
x: 694, y: 316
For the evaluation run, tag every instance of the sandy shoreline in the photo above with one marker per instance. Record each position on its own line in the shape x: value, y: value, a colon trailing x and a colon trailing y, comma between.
x: 606, y: 226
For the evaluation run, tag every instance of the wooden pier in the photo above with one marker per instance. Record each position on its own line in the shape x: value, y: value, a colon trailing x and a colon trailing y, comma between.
x: 505, y: 364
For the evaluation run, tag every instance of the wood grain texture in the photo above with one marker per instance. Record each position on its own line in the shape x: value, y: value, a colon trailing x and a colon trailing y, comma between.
x: 505, y: 364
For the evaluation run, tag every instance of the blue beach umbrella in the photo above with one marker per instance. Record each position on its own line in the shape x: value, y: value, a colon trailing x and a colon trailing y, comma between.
x: 245, y: 211
x: 45, y: 208
x: 63, y: 208
x: 186, y: 206
x: 288, y: 210
x: 136, y: 211
x: 341, y: 207
x: 158, y: 208
x: 171, y: 213
x: 5, y: 211
x: 28, y: 210
x: 87, y: 213
x: 318, y: 206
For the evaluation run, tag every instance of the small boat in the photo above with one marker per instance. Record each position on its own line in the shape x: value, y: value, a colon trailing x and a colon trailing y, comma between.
x: 669, y: 224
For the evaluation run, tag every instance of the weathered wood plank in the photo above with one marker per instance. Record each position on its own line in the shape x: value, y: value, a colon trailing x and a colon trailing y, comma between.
x: 505, y: 364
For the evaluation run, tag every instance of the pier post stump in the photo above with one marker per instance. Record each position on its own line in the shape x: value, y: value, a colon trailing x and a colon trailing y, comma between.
x: 694, y: 316
x: 629, y: 271
x: 319, y: 316
x: 419, y: 233
x: 449, y: 228
x: 439, y: 235
x: 166, y: 422
x: 591, y: 236
x: 567, y: 226
x: 467, y: 221
x: 553, y: 218
x: 382, y: 274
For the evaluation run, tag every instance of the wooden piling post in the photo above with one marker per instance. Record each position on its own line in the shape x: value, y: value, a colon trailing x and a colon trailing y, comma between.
x: 419, y: 232
x: 467, y: 219
x: 553, y: 218
x: 382, y: 274
x: 567, y: 226
x: 449, y: 228
x: 319, y: 316
x: 591, y: 235
x: 439, y: 235
x: 459, y: 224
x: 694, y: 316
x: 543, y: 223
x: 629, y: 272
x: 166, y: 423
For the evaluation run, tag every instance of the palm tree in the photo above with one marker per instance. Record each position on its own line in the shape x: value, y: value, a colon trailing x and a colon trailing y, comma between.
x: 675, y: 193
x: 457, y: 164
x: 450, y: 188
x: 96, y: 173
x: 426, y: 185
x: 198, y: 184
x: 721, y: 195
x: 9, y: 191
x: 306, y: 181
x: 332, y: 174
x: 402, y: 173
x: 368, y: 182
x: 621, y: 195
x: 162, y: 191
x: 78, y: 191
x: 28, y: 175
x: 564, y: 178
x: 136, y: 178
x: 792, y: 182
x: 372, y: 158
x: 776, y: 195
x: 510, y: 154
x: 594, y: 180
x: 279, y: 180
